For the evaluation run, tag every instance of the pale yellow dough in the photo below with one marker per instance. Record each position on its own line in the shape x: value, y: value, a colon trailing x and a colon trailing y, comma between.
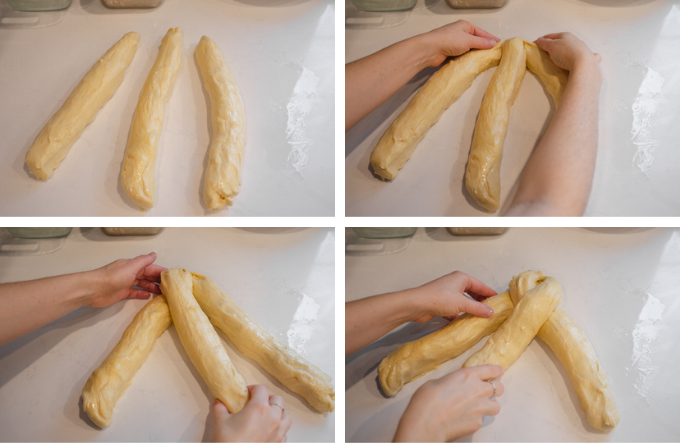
x: 483, y: 175
x: 577, y: 355
x: 289, y: 367
x: 223, y: 174
x: 511, y: 339
x: 138, y: 175
x: 414, y: 359
x: 553, y: 77
x: 96, y: 88
x: 442, y: 89
x: 201, y: 342
x: 110, y: 380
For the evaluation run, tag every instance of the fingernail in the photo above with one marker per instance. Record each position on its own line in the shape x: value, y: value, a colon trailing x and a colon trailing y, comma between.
x: 492, y: 42
x: 489, y: 311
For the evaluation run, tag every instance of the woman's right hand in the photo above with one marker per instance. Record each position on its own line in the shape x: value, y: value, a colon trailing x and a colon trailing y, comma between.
x: 566, y: 50
x: 262, y: 419
x: 452, y: 406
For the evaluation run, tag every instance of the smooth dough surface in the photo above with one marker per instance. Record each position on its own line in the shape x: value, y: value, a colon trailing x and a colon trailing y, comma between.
x: 414, y: 359
x: 96, y: 88
x: 483, y: 174
x: 223, y: 174
x: 201, y: 342
x: 553, y: 77
x: 289, y: 367
x: 577, y: 355
x: 138, y: 175
x: 110, y: 380
x: 442, y: 89
x: 511, y: 339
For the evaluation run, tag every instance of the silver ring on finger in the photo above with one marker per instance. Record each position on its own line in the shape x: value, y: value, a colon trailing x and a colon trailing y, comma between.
x: 494, y: 388
x: 276, y: 404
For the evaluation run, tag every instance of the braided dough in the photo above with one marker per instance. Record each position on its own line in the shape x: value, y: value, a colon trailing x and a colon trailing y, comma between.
x: 414, y: 359
x: 573, y: 349
x: 483, y: 175
x: 442, y: 89
x: 110, y: 380
x: 286, y: 365
x: 223, y: 174
x: 511, y: 339
x: 138, y: 175
x: 201, y: 342
x: 96, y: 88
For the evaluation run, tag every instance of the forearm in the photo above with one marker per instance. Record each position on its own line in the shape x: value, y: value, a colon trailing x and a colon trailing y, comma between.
x: 368, y: 319
x: 558, y: 177
x: 373, y: 79
x: 27, y: 306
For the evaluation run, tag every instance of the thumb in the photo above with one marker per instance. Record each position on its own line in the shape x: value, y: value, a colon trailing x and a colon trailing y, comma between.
x: 545, y: 43
x: 475, y: 42
x: 477, y: 308
x: 220, y: 411
x: 143, y: 261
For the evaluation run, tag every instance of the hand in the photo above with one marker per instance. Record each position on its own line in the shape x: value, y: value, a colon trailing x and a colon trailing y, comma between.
x: 567, y: 51
x: 262, y: 419
x: 117, y: 279
x: 452, y: 406
x: 445, y: 297
x: 457, y: 38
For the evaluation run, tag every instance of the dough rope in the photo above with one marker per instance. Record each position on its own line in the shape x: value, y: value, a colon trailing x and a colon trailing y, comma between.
x: 201, y: 342
x: 577, y: 355
x: 511, y: 339
x: 138, y: 175
x: 112, y: 378
x: 483, y: 174
x: 80, y: 108
x: 415, y: 359
x: 439, y: 92
x: 553, y: 77
x: 287, y: 366
x: 223, y: 173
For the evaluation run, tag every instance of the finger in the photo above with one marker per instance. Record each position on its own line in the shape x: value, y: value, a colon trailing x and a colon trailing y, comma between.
x: 500, y: 388
x: 474, y: 42
x: 475, y: 286
x: 258, y: 394
x: 487, y: 372
x: 597, y: 57
x: 147, y: 286
x: 153, y: 272
x: 476, y: 308
x: 545, y: 44
x: 286, y: 422
x: 139, y: 294
x: 142, y: 261
x: 492, y: 408
x: 277, y: 405
x: 220, y: 411
x: 479, y: 32
x: 554, y: 36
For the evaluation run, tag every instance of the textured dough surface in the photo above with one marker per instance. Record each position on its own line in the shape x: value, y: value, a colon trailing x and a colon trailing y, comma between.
x: 110, y: 380
x: 414, y: 359
x: 442, y: 89
x: 286, y: 365
x: 511, y: 339
x: 223, y: 174
x: 96, y: 88
x: 138, y: 175
x: 201, y: 342
x: 577, y: 355
x: 483, y: 175
x: 553, y: 77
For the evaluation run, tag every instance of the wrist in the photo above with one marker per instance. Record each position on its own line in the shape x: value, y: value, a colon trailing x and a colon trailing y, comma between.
x: 587, y: 65
x: 89, y: 286
x: 430, y: 50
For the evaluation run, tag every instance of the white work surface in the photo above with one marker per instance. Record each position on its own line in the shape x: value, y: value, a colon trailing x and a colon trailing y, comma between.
x: 281, y: 53
x: 621, y: 287
x: 282, y: 277
x: 638, y: 155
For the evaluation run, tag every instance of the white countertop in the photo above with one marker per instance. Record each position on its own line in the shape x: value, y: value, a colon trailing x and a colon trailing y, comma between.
x: 638, y: 155
x: 283, y: 277
x: 620, y: 285
x: 281, y: 53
